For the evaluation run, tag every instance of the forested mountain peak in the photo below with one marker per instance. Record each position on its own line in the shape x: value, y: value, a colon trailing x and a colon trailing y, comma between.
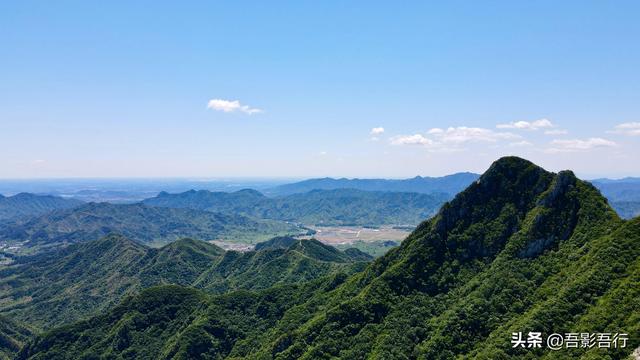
x: 521, y: 249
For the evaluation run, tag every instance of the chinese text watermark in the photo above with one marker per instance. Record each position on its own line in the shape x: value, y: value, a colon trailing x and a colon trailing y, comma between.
x: 557, y: 341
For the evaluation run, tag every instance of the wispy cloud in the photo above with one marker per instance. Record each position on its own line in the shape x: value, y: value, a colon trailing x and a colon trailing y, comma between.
x: 375, y: 132
x: 579, y: 145
x: 556, y: 132
x: 630, y: 128
x: 415, y: 139
x: 522, y: 143
x: 452, y: 138
x: 231, y: 106
x: 527, y: 125
x: 464, y: 134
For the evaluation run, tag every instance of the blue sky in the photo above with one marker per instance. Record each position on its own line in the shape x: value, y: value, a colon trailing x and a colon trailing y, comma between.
x: 122, y: 88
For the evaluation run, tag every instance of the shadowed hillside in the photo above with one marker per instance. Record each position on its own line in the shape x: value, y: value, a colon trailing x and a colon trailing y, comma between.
x: 12, y: 337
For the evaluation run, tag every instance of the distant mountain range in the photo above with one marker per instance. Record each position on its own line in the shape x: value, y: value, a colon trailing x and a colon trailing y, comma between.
x: 24, y: 205
x: 627, y: 189
x: 83, y: 279
x: 248, y: 215
x: 627, y: 209
x: 316, y: 207
x: 142, y: 223
x: 519, y: 250
x: 623, y: 194
x: 450, y: 184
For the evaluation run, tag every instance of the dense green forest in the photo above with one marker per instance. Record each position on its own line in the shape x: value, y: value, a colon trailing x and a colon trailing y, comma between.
x: 57, y: 287
x: 317, y: 207
x: 12, y: 337
x: 521, y: 249
x: 139, y: 222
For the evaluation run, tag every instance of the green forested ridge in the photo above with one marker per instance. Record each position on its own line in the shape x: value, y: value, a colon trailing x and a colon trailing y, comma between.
x: 138, y: 222
x: 24, y: 204
x: 449, y: 184
x: 278, y: 242
x: 84, y: 279
x: 283, y: 242
x: 321, y: 207
x: 521, y: 249
x: 176, y: 322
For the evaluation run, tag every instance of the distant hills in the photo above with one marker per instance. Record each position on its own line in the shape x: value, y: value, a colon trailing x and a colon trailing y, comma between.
x: 450, y: 184
x: 24, y: 205
x: 323, y: 207
x: 83, y: 279
x: 623, y: 194
x: 627, y: 209
x: 627, y: 189
x: 138, y: 222
x: 521, y: 249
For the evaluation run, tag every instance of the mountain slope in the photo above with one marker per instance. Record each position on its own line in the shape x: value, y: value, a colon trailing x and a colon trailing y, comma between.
x: 12, y: 337
x: 136, y: 221
x: 450, y: 184
x: 323, y: 207
x: 171, y: 322
x: 83, y: 279
x: 520, y: 250
x: 25, y: 204
x: 499, y: 250
x: 304, y: 260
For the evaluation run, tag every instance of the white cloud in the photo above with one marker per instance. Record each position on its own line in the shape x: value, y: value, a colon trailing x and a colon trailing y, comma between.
x: 231, y: 106
x: 526, y: 125
x: 452, y: 138
x: 579, y: 144
x: 377, y: 131
x: 522, y: 143
x: 415, y: 139
x: 322, y: 153
x: 630, y: 128
x: 464, y: 134
x: 556, y: 132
